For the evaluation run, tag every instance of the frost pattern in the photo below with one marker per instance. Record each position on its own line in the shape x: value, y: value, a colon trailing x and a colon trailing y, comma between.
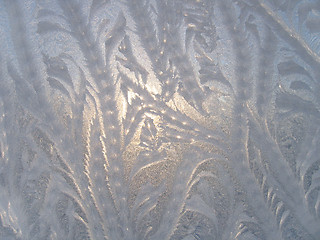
x: 159, y: 119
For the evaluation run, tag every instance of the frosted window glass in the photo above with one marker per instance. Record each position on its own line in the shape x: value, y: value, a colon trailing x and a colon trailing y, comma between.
x: 159, y: 119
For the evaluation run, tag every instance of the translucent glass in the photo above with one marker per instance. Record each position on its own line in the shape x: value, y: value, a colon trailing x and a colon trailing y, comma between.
x: 159, y: 119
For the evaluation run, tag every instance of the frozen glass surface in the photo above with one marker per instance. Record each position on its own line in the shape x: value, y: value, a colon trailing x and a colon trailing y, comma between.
x: 159, y: 119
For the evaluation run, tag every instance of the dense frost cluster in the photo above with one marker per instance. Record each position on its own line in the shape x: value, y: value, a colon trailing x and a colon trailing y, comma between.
x: 160, y: 119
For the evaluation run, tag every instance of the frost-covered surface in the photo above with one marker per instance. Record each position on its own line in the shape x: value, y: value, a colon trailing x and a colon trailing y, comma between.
x: 159, y: 119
